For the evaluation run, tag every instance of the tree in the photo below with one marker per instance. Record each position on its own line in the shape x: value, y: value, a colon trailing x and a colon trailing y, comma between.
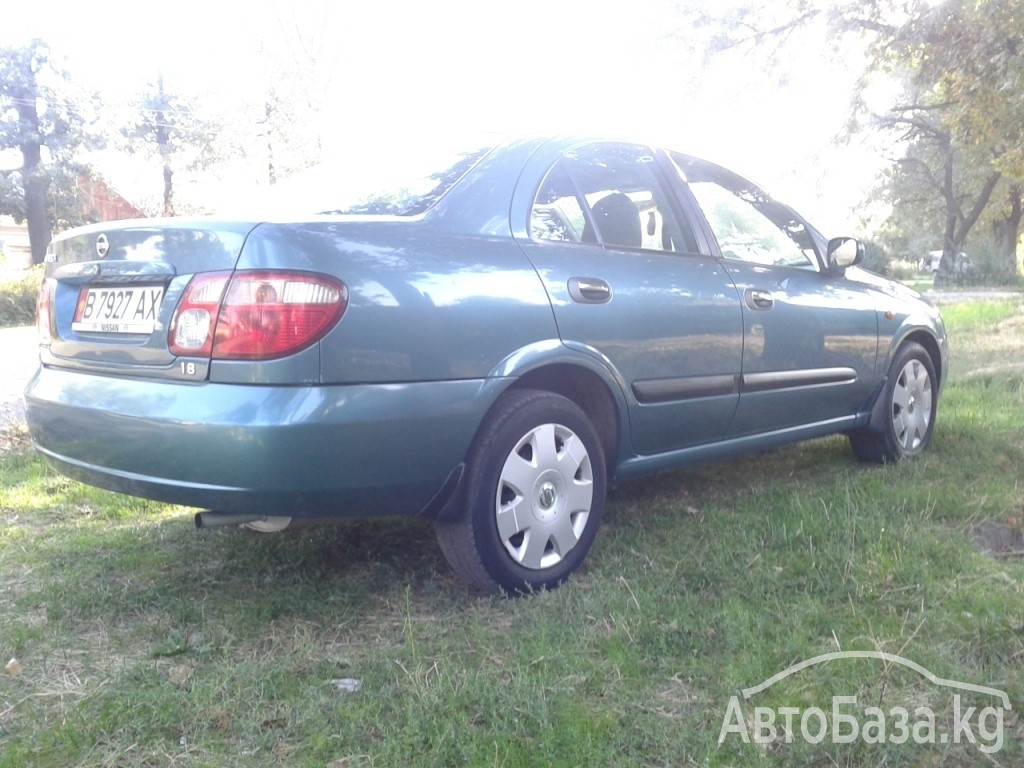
x: 976, y: 65
x: 961, y: 116
x: 959, y: 120
x: 301, y: 62
x: 168, y: 127
x: 42, y: 118
x: 941, y: 185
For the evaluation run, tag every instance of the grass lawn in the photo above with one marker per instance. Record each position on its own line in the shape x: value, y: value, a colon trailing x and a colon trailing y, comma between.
x: 137, y: 641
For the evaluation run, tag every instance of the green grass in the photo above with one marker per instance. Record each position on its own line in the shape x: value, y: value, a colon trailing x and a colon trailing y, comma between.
x: 919, y: 282
x: 979, y: 317
x: 143, y: 642
x: 18, y: 298
x: 986, y: 340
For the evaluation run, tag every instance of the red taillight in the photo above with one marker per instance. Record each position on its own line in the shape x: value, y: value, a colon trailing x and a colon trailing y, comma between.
x: 195, y: 319
x: 255, y: 315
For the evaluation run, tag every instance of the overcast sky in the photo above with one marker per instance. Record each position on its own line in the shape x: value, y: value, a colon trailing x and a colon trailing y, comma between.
x: 527, y: 65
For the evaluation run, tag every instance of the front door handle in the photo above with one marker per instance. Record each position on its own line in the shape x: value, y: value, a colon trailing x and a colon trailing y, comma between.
x: 758, y: 300
x: 589, y: 290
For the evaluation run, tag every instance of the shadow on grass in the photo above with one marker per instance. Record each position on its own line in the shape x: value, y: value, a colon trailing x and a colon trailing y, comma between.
x: 164, y: 571
x: 100, y: 556
x: 112, y: 556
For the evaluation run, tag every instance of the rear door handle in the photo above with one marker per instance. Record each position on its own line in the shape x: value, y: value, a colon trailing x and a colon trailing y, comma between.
x: 758, y: 300
x: 589, y: 290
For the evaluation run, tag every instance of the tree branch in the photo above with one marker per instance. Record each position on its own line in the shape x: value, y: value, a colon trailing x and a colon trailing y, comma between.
x: 757, y: 36
x: 980, y: 202
x: 924, y: 170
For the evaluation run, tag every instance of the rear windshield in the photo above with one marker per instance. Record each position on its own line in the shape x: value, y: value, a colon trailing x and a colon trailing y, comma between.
x: 395, y: 181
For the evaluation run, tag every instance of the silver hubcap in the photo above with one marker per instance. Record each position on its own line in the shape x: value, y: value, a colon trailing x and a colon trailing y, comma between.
x: 544, y: 496
x: 912, y: 405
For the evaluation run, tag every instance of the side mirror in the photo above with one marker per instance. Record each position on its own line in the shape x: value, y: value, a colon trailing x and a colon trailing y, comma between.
x: 844, y: 252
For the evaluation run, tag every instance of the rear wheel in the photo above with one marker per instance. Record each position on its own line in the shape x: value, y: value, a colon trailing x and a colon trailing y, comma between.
x: 909, y: 410
x: 535, y: 490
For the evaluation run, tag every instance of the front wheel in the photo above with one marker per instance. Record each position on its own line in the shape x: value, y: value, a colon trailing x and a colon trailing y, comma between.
x: 910, y: 401
x: 535, y: 490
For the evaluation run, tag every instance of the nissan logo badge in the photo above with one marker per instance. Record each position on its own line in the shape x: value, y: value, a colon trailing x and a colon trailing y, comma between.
x: 102, y: 246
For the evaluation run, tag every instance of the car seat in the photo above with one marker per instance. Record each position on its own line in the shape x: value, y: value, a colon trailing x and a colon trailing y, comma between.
x: 618, y: 220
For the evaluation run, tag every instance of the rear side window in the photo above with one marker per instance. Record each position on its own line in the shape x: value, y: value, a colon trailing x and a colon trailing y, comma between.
x: 557, y: 212
x: 375, y: 178
x: 611, y: 195
x: 416, y: 192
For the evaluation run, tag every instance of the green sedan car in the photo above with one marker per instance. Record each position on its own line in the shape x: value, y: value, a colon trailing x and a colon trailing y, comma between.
x: 485, y: 338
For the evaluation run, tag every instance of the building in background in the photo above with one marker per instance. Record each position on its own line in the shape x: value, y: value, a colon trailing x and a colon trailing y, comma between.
x: 99, y: 203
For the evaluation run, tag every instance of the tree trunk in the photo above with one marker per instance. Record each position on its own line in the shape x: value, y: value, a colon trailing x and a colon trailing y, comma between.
x: 168, y: 191
x: 955, y: 236
x: 39, y: 234
x: 1007, y: 232
x: 163, y: 144
x: 944, y: 275
x: 271, y: 171
x: 36, y: 183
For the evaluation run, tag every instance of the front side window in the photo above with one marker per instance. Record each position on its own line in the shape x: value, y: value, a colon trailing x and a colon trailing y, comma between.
x: 747, y: 223
x: 609, y: 195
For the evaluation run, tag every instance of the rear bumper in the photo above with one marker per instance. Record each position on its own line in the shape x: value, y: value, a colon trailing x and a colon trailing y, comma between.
x: 311, y: 451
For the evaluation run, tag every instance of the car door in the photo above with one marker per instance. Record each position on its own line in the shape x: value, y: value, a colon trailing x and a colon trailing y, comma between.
x: 630, y: 286
x: 810, y: 336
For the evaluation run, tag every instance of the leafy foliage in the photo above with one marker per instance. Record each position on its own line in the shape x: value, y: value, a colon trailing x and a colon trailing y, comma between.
x: 975, y: 63
x: 961, y: 116
x: 48, y: 121
x: 956, y: 123
x: 169, y: 127
x: 18, y: 299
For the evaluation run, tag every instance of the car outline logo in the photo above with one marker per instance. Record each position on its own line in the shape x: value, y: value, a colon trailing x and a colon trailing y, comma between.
x: 102, y: 245
x: 882, y: 655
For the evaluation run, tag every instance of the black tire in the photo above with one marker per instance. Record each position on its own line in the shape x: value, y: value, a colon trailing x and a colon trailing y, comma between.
x: 909, y: 400
x: 524, y: 539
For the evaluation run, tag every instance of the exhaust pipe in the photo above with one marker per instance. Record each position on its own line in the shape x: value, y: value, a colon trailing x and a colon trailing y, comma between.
x: 218, y: 519
x: 260, y: 523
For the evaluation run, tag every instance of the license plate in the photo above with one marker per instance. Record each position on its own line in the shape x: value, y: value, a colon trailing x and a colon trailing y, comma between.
x: 118, y: 309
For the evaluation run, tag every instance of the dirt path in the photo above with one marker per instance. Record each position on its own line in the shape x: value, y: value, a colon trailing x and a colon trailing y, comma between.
x: 19, y: 356
x: 955, y: 297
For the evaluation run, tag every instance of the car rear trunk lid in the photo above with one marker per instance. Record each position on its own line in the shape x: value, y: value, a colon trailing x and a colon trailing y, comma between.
x: 113, y: 289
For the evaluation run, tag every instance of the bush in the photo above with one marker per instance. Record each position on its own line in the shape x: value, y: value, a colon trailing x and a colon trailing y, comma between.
x: 990, y: 267
x: 904, y: 271
x: 876, y: 257
x: 18, y: 299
